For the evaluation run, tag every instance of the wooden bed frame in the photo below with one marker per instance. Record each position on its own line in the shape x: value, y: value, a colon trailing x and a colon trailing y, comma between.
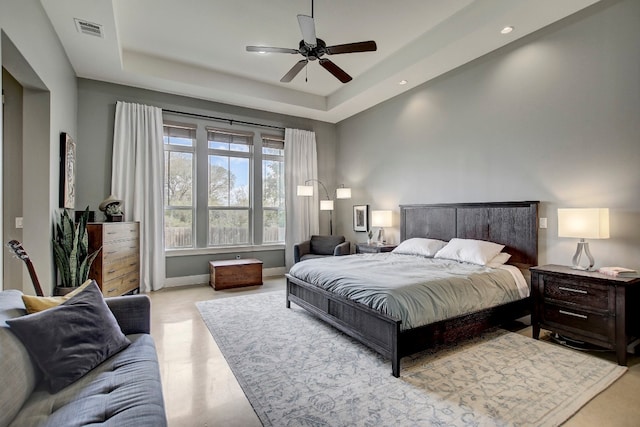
x: 513, y: 224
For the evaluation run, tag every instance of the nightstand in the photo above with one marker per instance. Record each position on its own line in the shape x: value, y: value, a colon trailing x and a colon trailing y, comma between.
x: 586, y: 306
x: 373, y: 248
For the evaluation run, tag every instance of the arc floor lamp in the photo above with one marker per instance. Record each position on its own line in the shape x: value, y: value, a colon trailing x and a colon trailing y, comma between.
x: 341, y: 192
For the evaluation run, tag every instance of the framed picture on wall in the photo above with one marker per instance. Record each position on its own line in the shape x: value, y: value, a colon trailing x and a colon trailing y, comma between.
x: 67, y: 171
x: 361, y: 218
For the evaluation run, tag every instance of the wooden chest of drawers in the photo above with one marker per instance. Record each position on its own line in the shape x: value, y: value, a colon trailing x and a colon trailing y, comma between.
x: 586, y: 306
x: 116, y: 269
x: 234, y: 273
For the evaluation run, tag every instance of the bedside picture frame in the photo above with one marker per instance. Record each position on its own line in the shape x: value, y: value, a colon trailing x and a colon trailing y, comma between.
x: 361, y: 218
x: 67, y: 171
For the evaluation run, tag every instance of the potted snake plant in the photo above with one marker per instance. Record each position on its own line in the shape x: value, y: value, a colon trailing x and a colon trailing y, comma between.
x: 71, y: 251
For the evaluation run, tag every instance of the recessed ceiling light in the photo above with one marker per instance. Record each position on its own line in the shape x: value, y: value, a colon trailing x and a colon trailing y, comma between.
x: 403, y: 82
x: 506, y: 30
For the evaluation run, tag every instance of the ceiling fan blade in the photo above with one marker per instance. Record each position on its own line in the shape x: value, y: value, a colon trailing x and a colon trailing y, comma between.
x: 265, y: 49
x: 368, y: 46
x: 338, y: 72
x: 294, y: 71
x: 308, y: 29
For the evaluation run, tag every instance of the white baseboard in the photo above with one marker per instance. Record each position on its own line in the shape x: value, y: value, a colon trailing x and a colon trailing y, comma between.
x: 198, y: 279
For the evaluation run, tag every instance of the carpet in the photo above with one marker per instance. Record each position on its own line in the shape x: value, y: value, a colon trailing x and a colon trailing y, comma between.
x: 297, y: 371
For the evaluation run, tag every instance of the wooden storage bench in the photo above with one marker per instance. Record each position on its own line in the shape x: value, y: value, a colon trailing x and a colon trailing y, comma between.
x: 234, y: 273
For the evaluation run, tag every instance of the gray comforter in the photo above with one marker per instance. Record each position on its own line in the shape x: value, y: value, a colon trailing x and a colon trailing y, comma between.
x: 415, y: 289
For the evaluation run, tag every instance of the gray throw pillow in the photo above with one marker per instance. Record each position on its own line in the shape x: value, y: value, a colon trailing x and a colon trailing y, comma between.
x: 325, y: 245
x: 69, y: 340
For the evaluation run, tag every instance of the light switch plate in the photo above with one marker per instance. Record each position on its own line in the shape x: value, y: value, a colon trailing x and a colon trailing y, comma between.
x: 543, y: 222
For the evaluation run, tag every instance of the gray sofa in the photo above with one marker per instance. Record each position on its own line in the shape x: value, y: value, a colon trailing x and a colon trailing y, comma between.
x: 125, y: 390
x: 321, y: 246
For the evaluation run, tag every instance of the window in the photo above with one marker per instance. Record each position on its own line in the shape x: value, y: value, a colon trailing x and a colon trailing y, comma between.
x: 179, y: 152
x: 229, y: 187
x: 222, y: 187
x: 273, y: 216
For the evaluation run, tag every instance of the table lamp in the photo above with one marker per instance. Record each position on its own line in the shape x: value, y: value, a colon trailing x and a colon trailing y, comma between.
x: 381, y: 219
x: 583, y: 223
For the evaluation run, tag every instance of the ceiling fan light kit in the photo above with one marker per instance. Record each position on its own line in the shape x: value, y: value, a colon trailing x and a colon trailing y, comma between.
x: 313, y: 48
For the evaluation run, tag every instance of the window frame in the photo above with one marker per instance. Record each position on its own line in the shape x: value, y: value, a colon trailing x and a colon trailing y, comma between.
x: 268, y: 139
x: 182, y: 149
x: 201, y: 208
x: 250, y: 155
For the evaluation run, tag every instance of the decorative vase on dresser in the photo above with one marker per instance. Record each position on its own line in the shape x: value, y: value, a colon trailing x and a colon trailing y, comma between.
x: 117, y: 267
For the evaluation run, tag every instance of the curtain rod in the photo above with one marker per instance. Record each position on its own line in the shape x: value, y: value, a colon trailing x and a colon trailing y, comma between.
x: 222, y: 119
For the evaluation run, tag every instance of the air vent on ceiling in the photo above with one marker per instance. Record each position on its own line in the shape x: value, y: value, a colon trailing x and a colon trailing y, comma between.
x: 90, y: 28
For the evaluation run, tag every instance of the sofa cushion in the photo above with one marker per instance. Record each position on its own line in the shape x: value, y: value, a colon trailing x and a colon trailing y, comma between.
x: 18, y: 374
x: 69, y: 340
x: 125, y: 390
x: 35, y: 304
x: 324, y: 245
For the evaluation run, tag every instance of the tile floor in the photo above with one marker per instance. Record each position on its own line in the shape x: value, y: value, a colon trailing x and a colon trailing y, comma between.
x: 200, y: 389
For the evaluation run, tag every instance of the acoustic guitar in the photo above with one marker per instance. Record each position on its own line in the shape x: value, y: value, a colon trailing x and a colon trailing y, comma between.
x: 19, y: 252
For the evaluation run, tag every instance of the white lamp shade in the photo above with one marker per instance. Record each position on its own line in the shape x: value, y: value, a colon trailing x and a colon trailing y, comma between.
x: 305, y: 190
x: 326, y: 205
x: 587, y: 223
x: 381, y: 218
x: 343, y: 193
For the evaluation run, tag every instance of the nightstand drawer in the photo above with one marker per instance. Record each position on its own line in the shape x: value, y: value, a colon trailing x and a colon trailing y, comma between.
x: 581, y: 293
x: 373, y: 248
x: 586, y: 305
x: 576, y: 319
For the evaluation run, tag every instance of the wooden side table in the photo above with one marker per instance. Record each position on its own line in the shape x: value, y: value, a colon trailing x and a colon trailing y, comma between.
x: 235, y: 273
x: 373, y: 248
x: 586, y: 306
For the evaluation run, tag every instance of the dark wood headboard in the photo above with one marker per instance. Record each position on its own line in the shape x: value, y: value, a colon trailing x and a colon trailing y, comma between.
x: 513, y: 224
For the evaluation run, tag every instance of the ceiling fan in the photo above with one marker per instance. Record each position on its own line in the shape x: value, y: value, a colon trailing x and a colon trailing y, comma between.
x: 313, y: 48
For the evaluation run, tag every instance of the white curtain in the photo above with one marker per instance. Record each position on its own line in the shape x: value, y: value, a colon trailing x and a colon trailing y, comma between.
x: 136, y: 179
x: 301, y: 164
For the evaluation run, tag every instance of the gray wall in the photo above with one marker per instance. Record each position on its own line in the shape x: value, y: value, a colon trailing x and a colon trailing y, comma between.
x: 96, y: 103
x: 12, y: 175
x: 554, y: 117
x: 33, y: 55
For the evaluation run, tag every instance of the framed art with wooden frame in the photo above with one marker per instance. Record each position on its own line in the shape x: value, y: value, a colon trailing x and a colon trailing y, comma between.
x: 67, y: 171
x: 361, y: 218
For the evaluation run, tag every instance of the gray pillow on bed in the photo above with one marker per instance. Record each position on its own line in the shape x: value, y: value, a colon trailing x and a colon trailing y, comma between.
x: 69, y: 340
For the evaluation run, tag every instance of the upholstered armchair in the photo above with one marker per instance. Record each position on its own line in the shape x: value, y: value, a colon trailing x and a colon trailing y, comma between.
x: 321, y: 246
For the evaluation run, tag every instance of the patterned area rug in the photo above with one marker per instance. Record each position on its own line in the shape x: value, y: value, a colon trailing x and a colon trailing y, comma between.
x: 298, y: 371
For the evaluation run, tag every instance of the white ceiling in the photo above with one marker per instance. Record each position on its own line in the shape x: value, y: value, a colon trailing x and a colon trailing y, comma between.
x: 197, y: 47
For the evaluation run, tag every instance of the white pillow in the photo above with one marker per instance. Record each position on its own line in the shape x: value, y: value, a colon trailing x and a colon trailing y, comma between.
x: 498, y: 260
x: 469, y: 250
x: 419, y: 246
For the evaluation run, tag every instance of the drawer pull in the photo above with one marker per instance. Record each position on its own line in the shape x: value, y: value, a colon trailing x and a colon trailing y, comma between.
x: 568, y: 313
x: 112, y: 290
x: 112, y: 232
x: 132, y: 264
x: 133, y: 280
x: 111, y: 271
x: 578, y: 291
x: 112, y: 252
